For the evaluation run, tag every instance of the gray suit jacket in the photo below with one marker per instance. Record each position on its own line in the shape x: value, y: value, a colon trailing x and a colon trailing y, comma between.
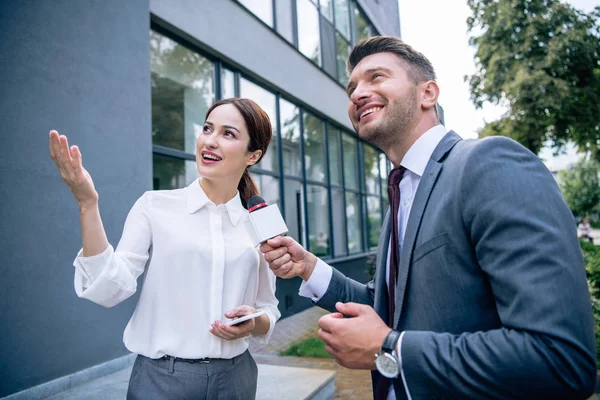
x: 491, y: 291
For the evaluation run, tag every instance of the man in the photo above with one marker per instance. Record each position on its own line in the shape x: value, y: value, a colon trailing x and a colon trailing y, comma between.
x: 480, y: 290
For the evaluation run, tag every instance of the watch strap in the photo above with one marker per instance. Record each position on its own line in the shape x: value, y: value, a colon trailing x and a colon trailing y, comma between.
x: 389, y: 344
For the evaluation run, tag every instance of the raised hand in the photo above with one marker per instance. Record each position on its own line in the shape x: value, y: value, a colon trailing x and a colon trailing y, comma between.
x: 287, y: 258
x: 68, y: 161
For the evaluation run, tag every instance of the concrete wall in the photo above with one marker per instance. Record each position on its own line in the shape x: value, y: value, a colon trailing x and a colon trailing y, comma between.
x: 81, y: 67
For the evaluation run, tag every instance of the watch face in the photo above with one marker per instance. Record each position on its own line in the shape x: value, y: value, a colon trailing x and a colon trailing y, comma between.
x: 387, y: 365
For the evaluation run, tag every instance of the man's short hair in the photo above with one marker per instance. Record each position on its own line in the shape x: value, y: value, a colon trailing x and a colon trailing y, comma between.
x: 419, y: 67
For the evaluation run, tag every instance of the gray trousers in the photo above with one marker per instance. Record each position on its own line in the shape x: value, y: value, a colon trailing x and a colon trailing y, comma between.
x: 172, y: 379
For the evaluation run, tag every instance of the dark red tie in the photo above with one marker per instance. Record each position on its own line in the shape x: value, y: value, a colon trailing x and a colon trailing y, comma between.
x: 383, y: 385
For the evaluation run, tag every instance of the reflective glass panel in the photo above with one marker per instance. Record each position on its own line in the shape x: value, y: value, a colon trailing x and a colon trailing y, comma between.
x: 350, y: 162
x: 339, y: 223
x: 285, y: 25
x: 267, y: 101
x: 263, y: 9
x: 374, y: 219
x: 268, y: 187
x: 335, y: 157
x: 318, y: 219
x: 371, y: 163
x: 172, y: 173
x: 354, y: 225
x: 294, y: 209
x: 182, y: 84
x: 227, y: 84
x: 342, y: 17
x: 343, y: 50
x: 308, y: 30
x: 314, y: 148
x: 290, y: 138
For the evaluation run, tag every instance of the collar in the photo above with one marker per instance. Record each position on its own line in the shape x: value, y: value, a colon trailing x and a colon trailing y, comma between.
x: 197, y: 198
x: 416, y: 158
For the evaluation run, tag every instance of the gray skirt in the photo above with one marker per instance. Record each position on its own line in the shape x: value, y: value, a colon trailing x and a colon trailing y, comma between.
x: 169, y: 378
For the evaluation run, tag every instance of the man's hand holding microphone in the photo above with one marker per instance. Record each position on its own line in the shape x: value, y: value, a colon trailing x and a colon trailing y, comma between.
x: 287, y: 258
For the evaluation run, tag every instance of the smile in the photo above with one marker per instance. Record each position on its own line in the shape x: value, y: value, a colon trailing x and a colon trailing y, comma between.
x: 368, y: 112
x: 210, y: 157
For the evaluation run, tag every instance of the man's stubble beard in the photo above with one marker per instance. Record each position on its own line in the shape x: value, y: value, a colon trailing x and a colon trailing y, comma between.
x: 396, y: 125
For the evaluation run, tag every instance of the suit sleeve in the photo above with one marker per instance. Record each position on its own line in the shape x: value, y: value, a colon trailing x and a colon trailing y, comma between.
x: 524, y: 239
x: 341, y: 288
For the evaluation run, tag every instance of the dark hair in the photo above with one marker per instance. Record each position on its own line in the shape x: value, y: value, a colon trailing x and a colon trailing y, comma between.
x: 259, y: 129
x: 419, y: 67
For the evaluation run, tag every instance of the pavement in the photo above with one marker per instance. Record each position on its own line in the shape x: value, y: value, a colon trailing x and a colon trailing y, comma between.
x: 279, y: 378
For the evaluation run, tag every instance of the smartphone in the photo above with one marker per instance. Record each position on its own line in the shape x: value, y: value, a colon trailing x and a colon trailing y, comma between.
x: 244, y: 318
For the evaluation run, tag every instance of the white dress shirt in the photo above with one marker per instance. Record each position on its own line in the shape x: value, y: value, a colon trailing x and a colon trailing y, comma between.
x: 415, y: 160
x: 201, y: 264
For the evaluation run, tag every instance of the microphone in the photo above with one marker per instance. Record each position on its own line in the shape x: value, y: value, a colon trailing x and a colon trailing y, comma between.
x: 265, y: 220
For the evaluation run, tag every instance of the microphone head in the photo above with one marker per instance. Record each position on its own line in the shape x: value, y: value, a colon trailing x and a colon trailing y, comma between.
x: 255, y: 203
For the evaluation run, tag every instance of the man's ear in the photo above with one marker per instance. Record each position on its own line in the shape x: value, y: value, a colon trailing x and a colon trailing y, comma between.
x: 253, y: 157
x: 429, y: 94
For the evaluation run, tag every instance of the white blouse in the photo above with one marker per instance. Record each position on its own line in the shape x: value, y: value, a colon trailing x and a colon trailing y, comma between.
x: 201, y: 264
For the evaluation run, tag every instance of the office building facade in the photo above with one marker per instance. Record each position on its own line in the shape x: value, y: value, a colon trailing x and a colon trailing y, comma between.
x: 130, y: 83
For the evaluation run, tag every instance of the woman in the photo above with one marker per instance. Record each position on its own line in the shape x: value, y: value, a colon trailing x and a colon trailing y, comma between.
x: 202, y: 264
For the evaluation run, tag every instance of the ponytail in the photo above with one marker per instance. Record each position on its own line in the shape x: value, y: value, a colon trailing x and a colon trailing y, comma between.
x: 247, y: 188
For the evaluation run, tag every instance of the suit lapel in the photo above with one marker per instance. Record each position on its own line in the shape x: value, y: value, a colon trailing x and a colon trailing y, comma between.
x: 428, y: 181
x: 381, y: 303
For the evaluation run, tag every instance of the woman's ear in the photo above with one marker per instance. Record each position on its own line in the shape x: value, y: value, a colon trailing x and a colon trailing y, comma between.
x: 253, y: 157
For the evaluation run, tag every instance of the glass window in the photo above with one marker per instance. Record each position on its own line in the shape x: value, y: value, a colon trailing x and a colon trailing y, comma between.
x: 374, y: 219
x: 363, y: 28
x: 294, y: 209
x: 268, y: 187
x: 285, y: 24
x: 335, y: 157
x: 338, y: 216
x: 308, y: 30
x: 327, y: 9
x: 318, y: 219
x: 227, y: 84
x: 172, y: 173
x: 343, y: 51
x: 383, y: 171
x: 182, y: 91
x: 328, y: 48
x: 371, y: 164
x: 314, y: 148
x: 290, y: 138
x: 350, y: 162
x: 267, y: 101
x: 354, y: 225
x: 342, y: 17
x: 263, y: 9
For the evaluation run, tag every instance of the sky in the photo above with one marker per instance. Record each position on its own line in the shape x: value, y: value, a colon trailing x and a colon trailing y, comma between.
x: 438, y: 29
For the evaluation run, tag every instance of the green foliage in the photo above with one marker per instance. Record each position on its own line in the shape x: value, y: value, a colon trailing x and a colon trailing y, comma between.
x: 541, y: 59
x: 311, y: 347
x: 581, y: 188
x: 591, y: 255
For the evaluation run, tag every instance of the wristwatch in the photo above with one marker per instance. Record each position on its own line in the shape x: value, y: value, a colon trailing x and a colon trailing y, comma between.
x: 386, y: 362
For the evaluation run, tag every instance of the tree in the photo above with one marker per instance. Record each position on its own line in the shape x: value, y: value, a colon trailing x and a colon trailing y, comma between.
x: 580, y: 187
x: 540, y: 59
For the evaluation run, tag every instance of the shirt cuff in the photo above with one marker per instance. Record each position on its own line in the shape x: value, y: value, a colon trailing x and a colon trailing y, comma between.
x: 91, y: 267
x: 316, y: 286
x: 399, y: 355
